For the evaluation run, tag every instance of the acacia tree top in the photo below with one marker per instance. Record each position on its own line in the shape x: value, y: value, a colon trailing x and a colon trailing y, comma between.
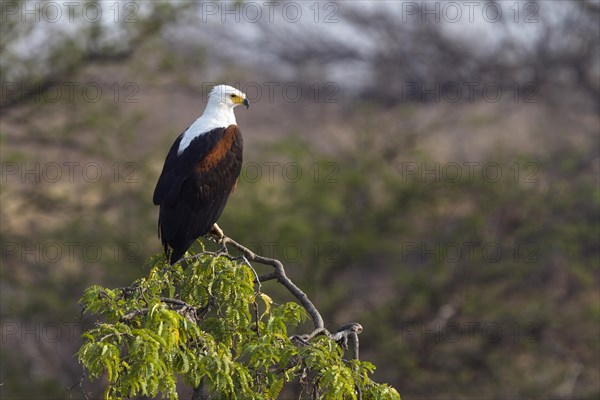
x: 211, y: 325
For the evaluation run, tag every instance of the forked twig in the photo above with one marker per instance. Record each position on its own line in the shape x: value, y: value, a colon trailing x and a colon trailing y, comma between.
x: 281, y: 277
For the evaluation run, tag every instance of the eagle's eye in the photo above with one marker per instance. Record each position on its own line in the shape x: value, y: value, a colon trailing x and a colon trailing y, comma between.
x: 232, y: 96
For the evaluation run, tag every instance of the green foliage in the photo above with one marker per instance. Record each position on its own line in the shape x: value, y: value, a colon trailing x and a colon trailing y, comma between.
x: 198, y: 324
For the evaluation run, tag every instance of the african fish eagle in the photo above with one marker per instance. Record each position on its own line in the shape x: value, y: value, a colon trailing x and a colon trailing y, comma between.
x: 200, y: 172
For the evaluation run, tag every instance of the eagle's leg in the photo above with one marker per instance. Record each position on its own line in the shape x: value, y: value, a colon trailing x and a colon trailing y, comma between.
x: 218, y: 232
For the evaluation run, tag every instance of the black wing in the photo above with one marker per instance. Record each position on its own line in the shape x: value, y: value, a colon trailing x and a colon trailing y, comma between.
x: 194, y: 187
x: 178, y: 168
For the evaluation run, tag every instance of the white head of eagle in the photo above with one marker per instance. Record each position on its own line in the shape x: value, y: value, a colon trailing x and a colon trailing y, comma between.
x: 200, y: 172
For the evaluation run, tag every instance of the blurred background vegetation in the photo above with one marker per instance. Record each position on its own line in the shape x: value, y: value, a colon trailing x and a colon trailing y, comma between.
x: 429, y: 175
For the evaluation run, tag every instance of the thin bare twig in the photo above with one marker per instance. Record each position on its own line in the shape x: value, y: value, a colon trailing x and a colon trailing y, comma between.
x: 77, y: 384
x: 281, y: 278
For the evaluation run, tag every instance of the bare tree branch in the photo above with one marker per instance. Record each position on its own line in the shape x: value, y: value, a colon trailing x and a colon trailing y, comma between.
x: 282, y: 278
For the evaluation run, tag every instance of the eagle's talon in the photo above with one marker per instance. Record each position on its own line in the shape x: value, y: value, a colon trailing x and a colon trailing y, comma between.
x: 218, y: 232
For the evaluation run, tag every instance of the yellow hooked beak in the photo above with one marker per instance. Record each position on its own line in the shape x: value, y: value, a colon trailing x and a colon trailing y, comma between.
x: 241, y: 100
